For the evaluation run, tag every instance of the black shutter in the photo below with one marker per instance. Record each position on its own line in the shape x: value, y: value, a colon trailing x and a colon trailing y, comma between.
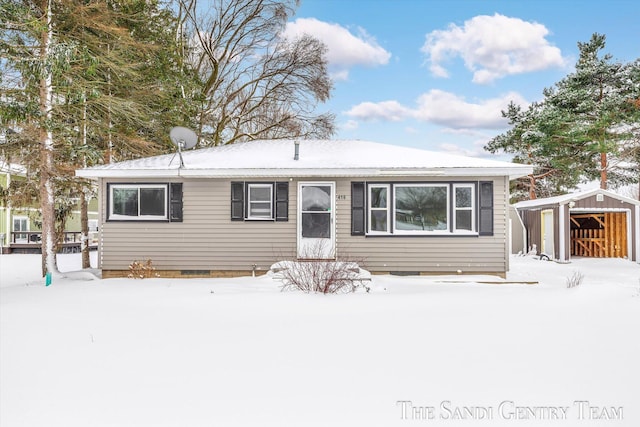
x: 237, y: 201
x: 282, y: 201
x: 357, y: 208
x: 175, y: 202
x: 485, y: 216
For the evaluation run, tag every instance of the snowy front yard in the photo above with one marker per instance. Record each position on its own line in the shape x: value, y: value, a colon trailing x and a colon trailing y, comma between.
x: 238, y: 352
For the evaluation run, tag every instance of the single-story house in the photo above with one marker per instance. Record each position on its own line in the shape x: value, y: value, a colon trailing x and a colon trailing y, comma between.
x: 237, y: 209
x: 592, y: 223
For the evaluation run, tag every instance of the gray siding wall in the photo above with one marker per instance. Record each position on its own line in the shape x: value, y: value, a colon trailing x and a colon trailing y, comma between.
x: 533, y: 223
x: 518, y: 232
x: 207, y: 239
x: 532, y: 220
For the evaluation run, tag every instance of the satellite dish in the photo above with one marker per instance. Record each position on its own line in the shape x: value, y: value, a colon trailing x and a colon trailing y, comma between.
x: 184, y: 139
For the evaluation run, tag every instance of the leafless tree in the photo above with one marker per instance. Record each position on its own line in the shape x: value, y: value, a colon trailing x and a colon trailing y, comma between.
x: 255, y: 84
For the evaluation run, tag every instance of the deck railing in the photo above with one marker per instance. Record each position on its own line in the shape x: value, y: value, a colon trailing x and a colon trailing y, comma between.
x: 35, y: 237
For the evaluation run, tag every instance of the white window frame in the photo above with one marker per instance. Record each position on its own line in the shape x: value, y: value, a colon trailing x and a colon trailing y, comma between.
x: 119, y: 217
x: 252, y: 186
x: 370, y: 209
x: 446, y: 231
x: 472, y: 209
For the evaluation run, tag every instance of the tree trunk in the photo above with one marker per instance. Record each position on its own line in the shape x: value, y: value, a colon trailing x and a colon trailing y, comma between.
x: 47, y: 192
x: 603, y: 170
x: 84, y: 225
x: 532, y: 187
x: 84, y: 204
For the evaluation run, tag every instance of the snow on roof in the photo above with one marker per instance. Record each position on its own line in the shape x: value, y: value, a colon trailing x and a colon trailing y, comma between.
x: 317, y: 158
x: 566, y: 198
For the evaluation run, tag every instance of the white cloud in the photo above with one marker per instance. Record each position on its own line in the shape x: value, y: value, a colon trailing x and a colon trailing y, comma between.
x: 442, y: 108
x: 411, y: 130
x: 448, y: 109
x: 475, y: 150
x: 493, y: 47
x: 345, y: 49
x: 350, y: 125
x: 391, y: 111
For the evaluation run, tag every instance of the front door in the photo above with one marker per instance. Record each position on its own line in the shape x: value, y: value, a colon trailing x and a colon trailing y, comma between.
x: 316, y: 224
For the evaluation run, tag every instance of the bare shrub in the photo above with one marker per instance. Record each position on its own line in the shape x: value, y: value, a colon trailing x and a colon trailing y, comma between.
x: 142, y: 270
x: 311, y: 273
x: 575, y: 279
x: 319, y: 276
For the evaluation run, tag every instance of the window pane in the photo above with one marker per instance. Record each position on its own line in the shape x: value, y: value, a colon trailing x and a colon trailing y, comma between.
x: 316, y: 198
x: 19, y: 224
x: 463, y: 197
x: 260, y: 210
x: 421, y: 208
x: 379, y: 220
x: 125, y: 201
x: 316, y: 225
x: 378, y: 197
x: 260, y: 194
x: 152, y: 201
x: 463, y: 220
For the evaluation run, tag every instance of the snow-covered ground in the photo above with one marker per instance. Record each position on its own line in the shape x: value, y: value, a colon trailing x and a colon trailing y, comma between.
x: 238, y: 352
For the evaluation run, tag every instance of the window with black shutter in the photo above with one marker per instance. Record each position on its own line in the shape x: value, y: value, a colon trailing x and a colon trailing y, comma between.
x: 259, y: 201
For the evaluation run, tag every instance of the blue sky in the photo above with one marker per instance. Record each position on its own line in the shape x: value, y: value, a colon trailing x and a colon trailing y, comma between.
x: 434, y: 74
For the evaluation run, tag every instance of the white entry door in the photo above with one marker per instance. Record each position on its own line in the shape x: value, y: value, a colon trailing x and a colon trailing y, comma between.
x: 316, y: 222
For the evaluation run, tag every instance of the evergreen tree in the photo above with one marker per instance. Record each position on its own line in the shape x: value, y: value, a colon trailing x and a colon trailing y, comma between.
x: 597, y: 99
x: 585, y: 128
x: 84, y: 82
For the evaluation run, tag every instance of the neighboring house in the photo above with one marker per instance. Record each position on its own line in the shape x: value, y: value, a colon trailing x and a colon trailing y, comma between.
x: 593, y: 223
x: 234, y: 209
x: 20, y: 230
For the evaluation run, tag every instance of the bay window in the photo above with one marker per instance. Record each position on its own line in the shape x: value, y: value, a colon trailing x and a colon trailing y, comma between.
x: 422, y: 208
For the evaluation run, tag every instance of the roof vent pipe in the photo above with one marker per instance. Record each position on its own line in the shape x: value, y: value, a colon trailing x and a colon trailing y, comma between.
x: 296, y: 154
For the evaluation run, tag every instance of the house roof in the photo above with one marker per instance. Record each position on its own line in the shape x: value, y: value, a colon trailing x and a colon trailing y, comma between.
x: 566, y: 198
x: 318, y: 158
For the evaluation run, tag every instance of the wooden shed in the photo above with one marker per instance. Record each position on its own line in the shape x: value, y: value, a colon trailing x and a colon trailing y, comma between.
x: 594, y: 223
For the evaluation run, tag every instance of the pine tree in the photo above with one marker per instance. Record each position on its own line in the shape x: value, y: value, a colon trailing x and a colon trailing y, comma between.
x: 93, y: 80
x: 585, y: 128
x: 598, y: 100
